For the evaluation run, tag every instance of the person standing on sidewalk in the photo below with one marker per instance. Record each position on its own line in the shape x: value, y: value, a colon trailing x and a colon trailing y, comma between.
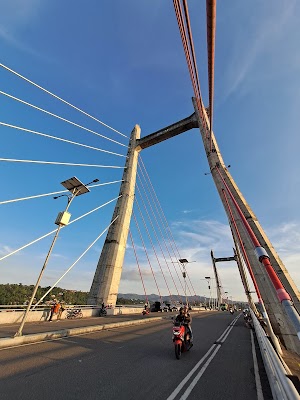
x: 61, y: 310
x: 54, y: 310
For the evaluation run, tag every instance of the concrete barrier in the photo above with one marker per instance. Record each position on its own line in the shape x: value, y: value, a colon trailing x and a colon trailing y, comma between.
x: 14, y: 316
x: 40, y: 337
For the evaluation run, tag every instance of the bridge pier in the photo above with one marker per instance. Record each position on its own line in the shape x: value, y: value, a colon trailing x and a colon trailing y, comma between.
x: 107, y: 277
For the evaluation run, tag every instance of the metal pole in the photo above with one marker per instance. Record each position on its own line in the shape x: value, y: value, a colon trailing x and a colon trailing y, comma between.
x: 19, y: 332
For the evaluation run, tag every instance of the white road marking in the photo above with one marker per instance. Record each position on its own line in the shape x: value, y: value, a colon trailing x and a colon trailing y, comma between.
x: 259, y: 391
x: 215, y: 348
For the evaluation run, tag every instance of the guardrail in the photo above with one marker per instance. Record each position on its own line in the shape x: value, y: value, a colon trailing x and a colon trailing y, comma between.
x: 281, y: 386
x: 22, y: 307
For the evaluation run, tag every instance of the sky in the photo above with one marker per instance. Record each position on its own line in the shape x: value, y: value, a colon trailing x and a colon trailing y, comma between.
x: 123, y: 63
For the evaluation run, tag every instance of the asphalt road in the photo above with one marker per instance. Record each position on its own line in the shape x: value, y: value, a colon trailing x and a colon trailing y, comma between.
x: 137, y: 363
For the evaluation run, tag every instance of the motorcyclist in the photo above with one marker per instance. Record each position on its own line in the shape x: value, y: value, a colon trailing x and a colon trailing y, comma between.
x: 184, y: 318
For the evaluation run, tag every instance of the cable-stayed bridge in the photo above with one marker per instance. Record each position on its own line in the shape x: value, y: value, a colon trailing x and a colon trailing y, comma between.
x: 138, y: 214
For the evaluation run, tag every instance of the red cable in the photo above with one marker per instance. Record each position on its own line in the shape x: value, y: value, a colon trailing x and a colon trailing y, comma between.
x: 179, y: 16
x: 141, y: 237
x: 242, y: 246
x: 168, y: 231
x: 149, y: 236
x: 145, y: 193
x: 133, y: 246
x: 188, y: 24
x: 211, y: 30
x: 281, y: 292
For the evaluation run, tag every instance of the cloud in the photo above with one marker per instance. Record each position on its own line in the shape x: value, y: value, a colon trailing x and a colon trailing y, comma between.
x: 15, y: 17
x: 272, y: 27
x: 4, y: 250
x: 195, y: 239
x: 286, y: 241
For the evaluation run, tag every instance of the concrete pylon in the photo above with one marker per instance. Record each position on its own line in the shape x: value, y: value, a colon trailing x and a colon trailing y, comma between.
x: 107, y: 277
x: 218, y: 283
x: 280, y: 321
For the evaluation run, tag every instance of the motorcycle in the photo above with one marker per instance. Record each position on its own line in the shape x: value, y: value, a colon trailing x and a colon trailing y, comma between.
x: 181, y: 339
x: 146, y: 311
x: 102, y: 312
x: 74, y: 313
x: 231, y: 311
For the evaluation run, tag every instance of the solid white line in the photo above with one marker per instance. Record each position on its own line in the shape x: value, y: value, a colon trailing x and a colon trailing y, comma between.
x: 180, y: 386
x: 198, y: 376
x: 259, y: 391
x: 214, y: 348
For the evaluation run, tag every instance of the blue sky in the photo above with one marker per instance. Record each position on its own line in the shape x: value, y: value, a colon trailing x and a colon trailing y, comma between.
x: 123, y: 63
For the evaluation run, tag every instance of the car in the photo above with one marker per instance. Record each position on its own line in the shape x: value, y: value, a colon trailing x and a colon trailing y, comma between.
x: 174, y: 309
x: 156, y: 307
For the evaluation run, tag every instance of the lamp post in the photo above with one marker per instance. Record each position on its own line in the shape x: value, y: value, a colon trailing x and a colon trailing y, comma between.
x: 184, y: 261
x: 226, y: 297
x: 76, y: 188
x: 208, y: 282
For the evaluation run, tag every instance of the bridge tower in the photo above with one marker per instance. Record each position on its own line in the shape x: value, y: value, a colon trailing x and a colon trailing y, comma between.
x: 105, y: 285
x: 108, y: 273
x: 107, y: 277
x: 280, y: 322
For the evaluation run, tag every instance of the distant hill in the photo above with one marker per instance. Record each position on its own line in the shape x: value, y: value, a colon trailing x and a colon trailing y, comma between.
x: 155, y: 297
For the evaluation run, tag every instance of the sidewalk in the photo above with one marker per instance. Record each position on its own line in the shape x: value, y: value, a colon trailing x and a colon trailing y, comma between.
x: 46, y: 330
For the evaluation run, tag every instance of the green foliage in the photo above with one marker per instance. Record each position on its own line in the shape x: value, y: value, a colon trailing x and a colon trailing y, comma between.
x: 121, y: 301
x: 16, y: 294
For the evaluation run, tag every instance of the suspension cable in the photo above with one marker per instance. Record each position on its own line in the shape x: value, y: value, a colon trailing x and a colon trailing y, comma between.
x: 50, y: 233
x: 58, y: 163
x: 145, y: 250
x: 263, y: 257
x: 188, y: 47
x: 211, y: 35
x: 191, y: 42
x: 138, y: 264
x: 185, y: 44
x: 75, y: 262
x: 161, y: 233
x: 153, y: 247
x: 61, y: 118
x: 52, y: 193
x: 60, y: 139
x: 167, y: 230
x: 59, y: 98
x: 246, y: 260
x: 158, y: 241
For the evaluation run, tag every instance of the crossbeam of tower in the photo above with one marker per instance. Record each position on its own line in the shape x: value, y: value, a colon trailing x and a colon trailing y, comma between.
x: 108, y: 273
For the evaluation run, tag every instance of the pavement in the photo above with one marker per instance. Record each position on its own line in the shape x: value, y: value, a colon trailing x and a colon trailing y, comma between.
x: 49, y: 330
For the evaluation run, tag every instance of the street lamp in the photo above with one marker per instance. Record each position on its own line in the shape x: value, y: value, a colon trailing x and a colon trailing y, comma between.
x: 226, y: 297
x: 76, y: 188
x: 184, y: 261
x: 208, y: 282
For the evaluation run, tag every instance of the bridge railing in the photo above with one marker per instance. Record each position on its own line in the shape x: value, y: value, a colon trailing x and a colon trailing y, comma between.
x: 277, y: 371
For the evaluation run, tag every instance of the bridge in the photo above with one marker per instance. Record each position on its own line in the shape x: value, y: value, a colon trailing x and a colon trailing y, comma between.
x: 138, y: 232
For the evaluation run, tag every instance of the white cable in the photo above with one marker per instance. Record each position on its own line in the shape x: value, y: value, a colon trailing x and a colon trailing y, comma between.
x: 48, y: 234
x: 58, y: 163
x: 59, y: 98
x: 57, y: 138
x: 52, y: 193
x: 61, y: 118
x: 69, y: 269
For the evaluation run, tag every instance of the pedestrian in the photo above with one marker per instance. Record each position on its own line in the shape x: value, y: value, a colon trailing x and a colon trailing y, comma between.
x: 61, y: 310
x: 54, y: 309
